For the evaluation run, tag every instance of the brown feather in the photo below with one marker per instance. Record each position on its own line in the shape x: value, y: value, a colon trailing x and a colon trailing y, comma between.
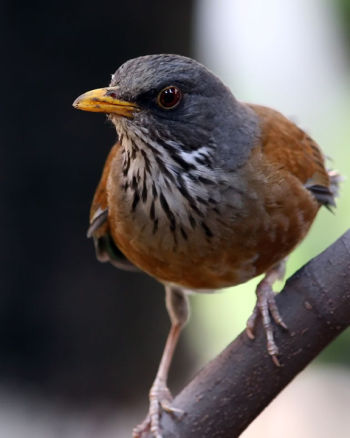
x: 100, y: 201
x: 289, y: 147
x: 281, y: 170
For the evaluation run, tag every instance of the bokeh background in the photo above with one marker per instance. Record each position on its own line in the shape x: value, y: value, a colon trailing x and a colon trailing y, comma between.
x: 80, y: 341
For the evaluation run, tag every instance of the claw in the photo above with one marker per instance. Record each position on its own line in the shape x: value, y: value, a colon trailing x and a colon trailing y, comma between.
x: 251, y: 323
x: 160, y: 400
x: 266, y: 306
x: 276, y: 361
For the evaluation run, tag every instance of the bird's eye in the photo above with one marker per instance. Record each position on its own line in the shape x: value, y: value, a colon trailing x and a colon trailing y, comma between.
x: 169, y: 97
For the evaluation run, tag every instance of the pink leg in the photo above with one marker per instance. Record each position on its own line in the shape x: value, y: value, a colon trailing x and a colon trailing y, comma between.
x: 266, y: 305
x: 159, y: 395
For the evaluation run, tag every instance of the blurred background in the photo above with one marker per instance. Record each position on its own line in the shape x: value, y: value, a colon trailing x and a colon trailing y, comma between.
x: 80, y: 341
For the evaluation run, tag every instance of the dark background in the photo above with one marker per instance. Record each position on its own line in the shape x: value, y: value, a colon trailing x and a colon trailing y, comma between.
x: 70, y: 327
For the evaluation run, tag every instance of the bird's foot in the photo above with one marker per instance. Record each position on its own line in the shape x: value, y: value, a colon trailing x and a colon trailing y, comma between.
x: 266, y: 305
x: 160, y: 400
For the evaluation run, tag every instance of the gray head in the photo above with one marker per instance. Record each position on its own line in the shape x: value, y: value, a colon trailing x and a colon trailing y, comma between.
x: 177, y: 102
x: 192, y: 96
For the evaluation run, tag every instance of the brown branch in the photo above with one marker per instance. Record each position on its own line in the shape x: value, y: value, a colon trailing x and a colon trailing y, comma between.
x: 231, y: 391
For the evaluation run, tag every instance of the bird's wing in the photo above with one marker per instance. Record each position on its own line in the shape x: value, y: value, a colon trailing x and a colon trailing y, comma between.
x: 105, y: 247
x: 100, y: 203
x: 292, y: 149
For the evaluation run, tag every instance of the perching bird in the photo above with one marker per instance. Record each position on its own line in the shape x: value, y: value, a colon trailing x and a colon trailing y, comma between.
x: 201, y: 191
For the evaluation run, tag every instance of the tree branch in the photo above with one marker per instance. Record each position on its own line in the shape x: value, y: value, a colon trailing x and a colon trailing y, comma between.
x: 231, y: 391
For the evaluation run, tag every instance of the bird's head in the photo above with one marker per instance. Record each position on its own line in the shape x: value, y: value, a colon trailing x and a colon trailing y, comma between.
x: 170, y: 94
x: 171, y: 101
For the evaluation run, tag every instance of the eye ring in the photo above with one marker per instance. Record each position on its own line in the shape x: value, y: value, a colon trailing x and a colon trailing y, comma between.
x: 169, y: 97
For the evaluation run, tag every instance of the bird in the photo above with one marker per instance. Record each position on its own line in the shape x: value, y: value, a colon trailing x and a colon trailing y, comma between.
x: 202, y: 192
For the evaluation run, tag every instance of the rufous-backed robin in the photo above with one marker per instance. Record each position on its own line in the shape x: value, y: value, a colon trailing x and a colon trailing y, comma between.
x: 201, y: 191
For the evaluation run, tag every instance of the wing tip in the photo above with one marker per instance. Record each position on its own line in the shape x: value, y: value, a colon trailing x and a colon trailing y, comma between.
x: 96, y: 221
x: 327, y: 195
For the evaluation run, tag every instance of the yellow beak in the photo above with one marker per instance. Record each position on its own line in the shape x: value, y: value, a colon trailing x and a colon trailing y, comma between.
x: 103, y: 100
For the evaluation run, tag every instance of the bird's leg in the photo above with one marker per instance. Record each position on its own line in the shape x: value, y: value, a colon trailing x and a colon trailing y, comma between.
x: 266, y: 305
x: 159, y: 395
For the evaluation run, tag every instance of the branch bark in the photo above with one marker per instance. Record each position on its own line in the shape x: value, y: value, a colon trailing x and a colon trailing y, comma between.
x: 231, y: 391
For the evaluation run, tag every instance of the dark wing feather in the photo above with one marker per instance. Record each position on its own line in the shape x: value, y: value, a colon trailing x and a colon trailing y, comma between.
x: 98, y: 220
x: 323, y: 195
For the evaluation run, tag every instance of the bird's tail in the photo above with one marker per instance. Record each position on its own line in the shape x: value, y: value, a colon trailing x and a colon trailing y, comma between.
x: 335, y: 180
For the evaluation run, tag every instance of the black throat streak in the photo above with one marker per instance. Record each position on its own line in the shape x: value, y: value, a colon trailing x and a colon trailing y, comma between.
x: 147, y: 193
x: 168, y: 212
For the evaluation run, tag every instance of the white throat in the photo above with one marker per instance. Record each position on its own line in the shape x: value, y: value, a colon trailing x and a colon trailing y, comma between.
x: 167, y: 189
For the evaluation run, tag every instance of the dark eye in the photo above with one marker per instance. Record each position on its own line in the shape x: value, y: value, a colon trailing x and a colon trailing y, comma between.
x: 169, y: 97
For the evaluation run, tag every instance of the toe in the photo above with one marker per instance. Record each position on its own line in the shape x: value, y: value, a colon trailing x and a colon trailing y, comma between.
x: 145, y: 426
x: 275, y: 313
x: 160, y: 400
x: 251, y: 323
x: 167, y: 407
